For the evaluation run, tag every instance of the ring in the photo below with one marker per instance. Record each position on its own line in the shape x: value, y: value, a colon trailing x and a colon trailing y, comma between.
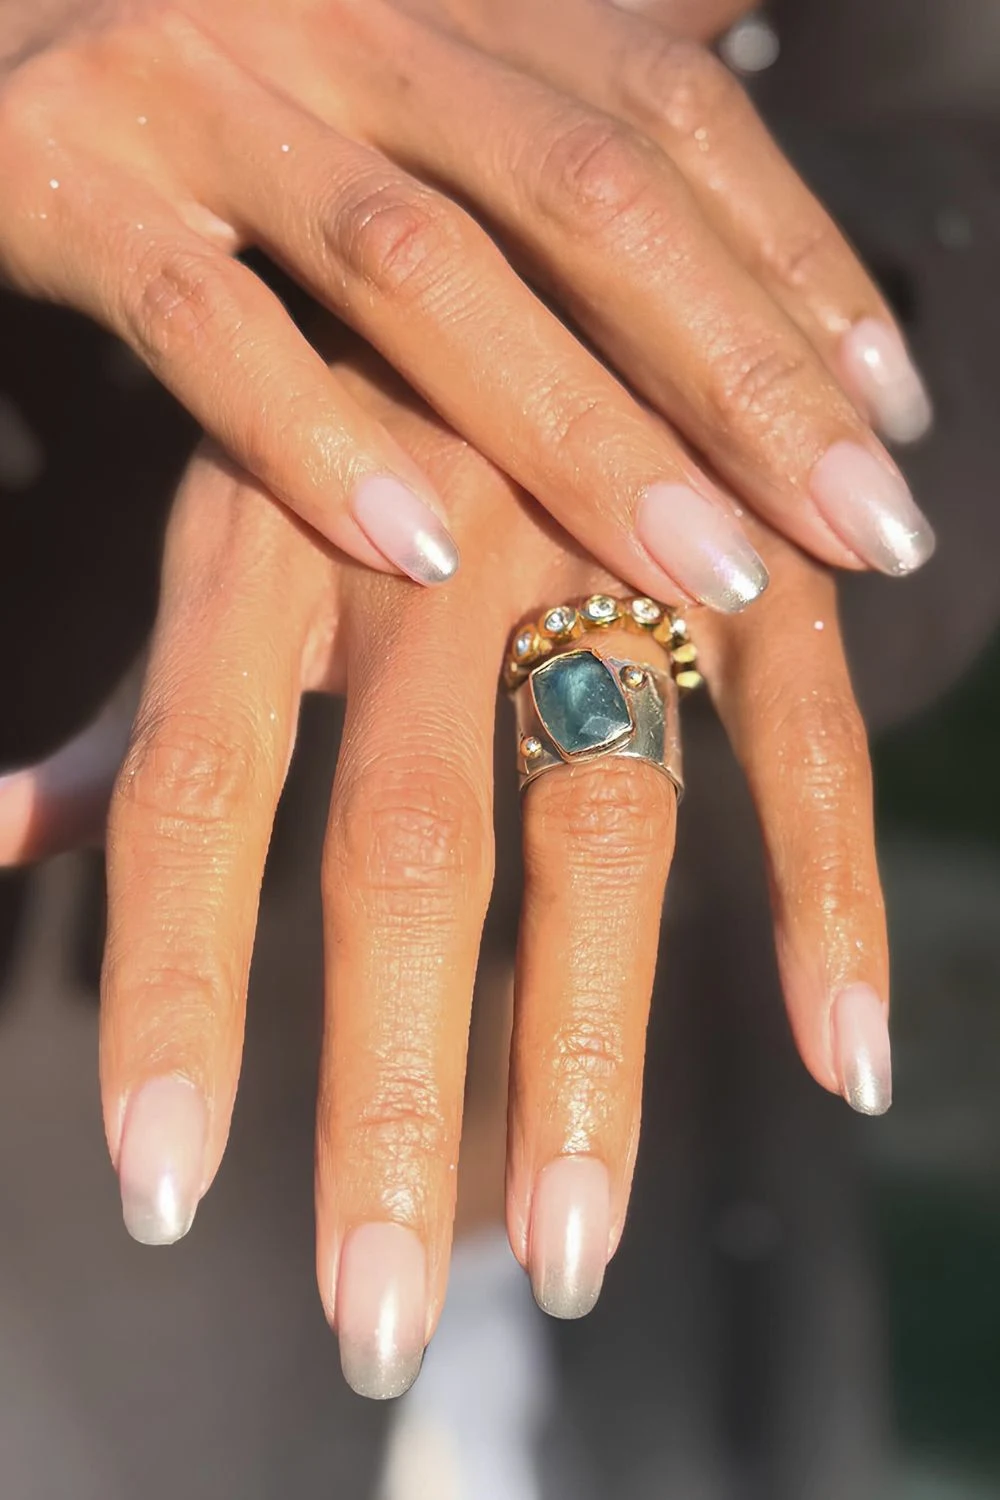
x: 560, y: 626
x: 582, y: 706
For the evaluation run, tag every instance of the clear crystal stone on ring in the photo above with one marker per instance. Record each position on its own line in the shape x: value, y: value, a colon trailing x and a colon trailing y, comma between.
x: 646, y: 611
x: 524, y: 644
x: 600, y: 609
x: 559, y: 621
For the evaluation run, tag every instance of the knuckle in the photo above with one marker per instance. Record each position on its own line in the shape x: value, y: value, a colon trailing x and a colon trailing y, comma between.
x: 174, y: 1003
x: 593, y: 174
x: 679, y: 85
x: 404, y: 1116
x: 800, y: 259
x: 184, y: 772
x: 822, y: 747
x: 589, y: 1048
x: 754, y: 385
x: 607, y: 818
x: 409, y: 837
x: 175, y: 298
x: 571, y: 420
x: 397, y: 239
x: 35, y: 95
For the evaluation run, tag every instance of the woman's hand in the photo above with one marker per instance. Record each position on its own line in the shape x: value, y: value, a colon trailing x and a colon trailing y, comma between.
x: 144, y: 145
x: 254, y: 612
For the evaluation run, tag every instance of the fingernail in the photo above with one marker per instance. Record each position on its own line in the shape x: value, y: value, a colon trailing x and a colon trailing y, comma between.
x: 877, y: 368
x: 162, y: 1159
x: 381, y: 1309
x: 701, y: 546
x: 861, y: 1049
x: 870, y: 508
x: 405, y: 529
x: 569, y: 1234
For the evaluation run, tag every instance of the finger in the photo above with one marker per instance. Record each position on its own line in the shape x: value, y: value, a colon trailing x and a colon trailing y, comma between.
x: 700, y: 20
x: 612, y: 226
x: 682, y: 98
x: 598, y: 841
x: 785, y: 696
x: 421, y: 281
x: 62, y: 802
x: 225, y: 346
x: 406, y: 880
x: 187, y: 837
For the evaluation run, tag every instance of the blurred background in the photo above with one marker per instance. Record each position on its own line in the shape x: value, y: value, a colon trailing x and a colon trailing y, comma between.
x: 806, y: 1305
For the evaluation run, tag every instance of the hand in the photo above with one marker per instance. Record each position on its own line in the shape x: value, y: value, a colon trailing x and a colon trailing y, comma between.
x: 253, y: 613
x: 143, y: 146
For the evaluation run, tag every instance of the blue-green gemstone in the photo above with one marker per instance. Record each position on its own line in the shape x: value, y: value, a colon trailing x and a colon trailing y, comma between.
x: 580, y: 702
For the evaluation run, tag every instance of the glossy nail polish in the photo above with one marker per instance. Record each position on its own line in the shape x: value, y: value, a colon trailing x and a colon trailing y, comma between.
x: 878, y: 370
x: 861, y: 1049
x: 405, y: 529
x: 701, y: 546
x: 869, y: 506
x: 161, y: 1161
x: 381, y: 1309
x: 569, y: 1235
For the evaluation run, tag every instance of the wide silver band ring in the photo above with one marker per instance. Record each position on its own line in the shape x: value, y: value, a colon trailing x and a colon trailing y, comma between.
x: 584, y: 706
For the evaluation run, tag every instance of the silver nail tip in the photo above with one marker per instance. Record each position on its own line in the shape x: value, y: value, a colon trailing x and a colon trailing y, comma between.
x: 147, y: 1227
x: 869, y: 1096
x: 436, y: 558
x: 912, y: 553
x: 566, y: 1301
x: 376, y: 1378
x: 904, y: 428
x: 741, y: 589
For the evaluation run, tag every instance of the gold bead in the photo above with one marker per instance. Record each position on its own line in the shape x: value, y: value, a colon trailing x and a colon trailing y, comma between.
x: 632, y: 676
x: 688, y: 680
x: 531, y: 748
x: 684, y: 656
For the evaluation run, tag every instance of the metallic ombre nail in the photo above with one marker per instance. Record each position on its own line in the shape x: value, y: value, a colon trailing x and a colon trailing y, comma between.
x: 877, y: 369
x: 569, y: 1235
x: 701, y: 546
x: 381, y: 1309
x: 868, y: 504
x: 162, y: 1159
x: 861, y: 1049
x: 405, y: 529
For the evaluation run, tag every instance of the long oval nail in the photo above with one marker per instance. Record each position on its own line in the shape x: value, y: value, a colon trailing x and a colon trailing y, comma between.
x: 569, y: 1235
x: 861, y: 1049
x: 701, y: 546
x: 161, y: 1162
x: 870, y: 507
x: 878, y: 371
x: 405, y: 529
x: 381, y: 1309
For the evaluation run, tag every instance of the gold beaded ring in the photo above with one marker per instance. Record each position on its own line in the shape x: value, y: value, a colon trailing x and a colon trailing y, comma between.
x: 559, y: 626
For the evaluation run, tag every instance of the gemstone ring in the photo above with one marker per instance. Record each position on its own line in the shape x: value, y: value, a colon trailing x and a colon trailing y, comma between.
x: 581, y: 706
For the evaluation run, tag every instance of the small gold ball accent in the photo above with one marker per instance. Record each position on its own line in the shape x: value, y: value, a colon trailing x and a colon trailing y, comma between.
x: 531, y: 748
x: 633, y: 676
x: 688, y: 680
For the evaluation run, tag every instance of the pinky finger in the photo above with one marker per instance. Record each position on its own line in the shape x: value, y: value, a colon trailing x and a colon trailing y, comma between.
x: 62, y: 802
x: 786, y: 699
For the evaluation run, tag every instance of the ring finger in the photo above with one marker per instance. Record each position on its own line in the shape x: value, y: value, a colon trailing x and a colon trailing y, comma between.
x: 598, y: 841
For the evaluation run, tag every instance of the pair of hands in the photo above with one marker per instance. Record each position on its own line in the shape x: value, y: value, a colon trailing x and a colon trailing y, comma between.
x: 628, y: 174
x: 254, y: 612
x: 620, y: 167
